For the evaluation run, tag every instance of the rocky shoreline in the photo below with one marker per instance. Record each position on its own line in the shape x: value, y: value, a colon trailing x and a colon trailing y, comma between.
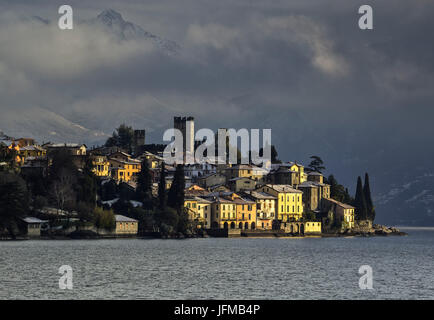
x: 375, y: 230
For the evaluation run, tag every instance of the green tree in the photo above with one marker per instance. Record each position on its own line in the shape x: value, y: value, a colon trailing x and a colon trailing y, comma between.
x: 104, y: 219
x: 361, y: 210
x: 368, y: 197
x: 109, y: 190
x: 274, y: 154
x: 13, y: 201
x: 316, y: 165
x: 144, y: 186
x: 87, y: 186
x: 123, y: 137
x: 85, y: 212
x: 309, y: 215
x: 168, y: 219
x: 338, y: 191
x: 184, y: 225
x: 177, y: 190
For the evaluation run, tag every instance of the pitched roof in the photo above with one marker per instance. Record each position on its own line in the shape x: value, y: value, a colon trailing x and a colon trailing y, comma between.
x: 259, y: 195
x: 283, y: 188
x: 33, y: 220
x: 121, y: 218
x: 314, y: 173
x: 341, y: 204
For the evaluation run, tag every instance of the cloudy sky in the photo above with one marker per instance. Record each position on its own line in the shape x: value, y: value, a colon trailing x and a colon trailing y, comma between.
x: 362, y: 100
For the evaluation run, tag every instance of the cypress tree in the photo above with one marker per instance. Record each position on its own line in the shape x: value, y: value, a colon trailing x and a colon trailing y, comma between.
x: 360, y: 202
x: 369, y: 202
x: 176, y: 192
x: 162, y: 188
x: 144, y: 185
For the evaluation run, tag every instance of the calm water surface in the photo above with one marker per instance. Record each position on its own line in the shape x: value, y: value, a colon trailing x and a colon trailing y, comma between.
x: 304, y: 268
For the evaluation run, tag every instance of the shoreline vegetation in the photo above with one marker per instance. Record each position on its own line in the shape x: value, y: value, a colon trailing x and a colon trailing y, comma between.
x: 125, y: 189
x: 376, y: 231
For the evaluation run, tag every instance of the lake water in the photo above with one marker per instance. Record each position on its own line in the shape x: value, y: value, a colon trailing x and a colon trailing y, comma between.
x: 216, y: 268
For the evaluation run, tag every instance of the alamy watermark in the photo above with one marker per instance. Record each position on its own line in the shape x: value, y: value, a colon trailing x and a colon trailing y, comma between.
x: 66, y: 21
x: 218, y: 149
x: 366, y: 281
x: 65, y: 281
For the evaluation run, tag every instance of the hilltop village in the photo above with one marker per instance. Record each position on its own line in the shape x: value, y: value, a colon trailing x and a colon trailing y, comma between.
x: 124, y: 189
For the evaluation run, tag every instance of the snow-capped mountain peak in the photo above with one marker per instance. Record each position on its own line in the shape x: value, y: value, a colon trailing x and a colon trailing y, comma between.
x: 113, y: 22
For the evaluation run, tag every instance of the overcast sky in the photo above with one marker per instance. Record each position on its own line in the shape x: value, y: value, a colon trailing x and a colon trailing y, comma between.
x: 302, y: 68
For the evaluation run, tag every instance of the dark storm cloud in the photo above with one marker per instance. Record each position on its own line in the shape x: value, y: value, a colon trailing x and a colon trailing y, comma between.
x: 302, y: 68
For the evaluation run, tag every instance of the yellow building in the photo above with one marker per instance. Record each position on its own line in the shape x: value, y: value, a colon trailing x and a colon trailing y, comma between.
x: 199, y: 211
x: 265, y: 208
x: 245, y: 171
x: 32, y: 151
x: 223, y: 213
x: 289, y: 201
x: 15, y: 148
x: 190, y: 203
x: 154, y: 161
x: 210, y: 180
x: 124, y: 169
x: 204, y: 211
x: 302, y: 176
x: 101, y: 166
x: 344, y: 213
x: 73, y: 149
x: 312, y: 227
x: 241, y: 184
x: 126, y: 226
x: 246, y: 212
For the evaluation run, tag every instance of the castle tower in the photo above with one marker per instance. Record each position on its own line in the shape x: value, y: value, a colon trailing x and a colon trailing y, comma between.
x: 139, y: 140
x: 186, y: 126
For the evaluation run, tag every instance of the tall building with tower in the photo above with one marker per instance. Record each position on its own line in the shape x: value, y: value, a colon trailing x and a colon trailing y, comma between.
x: 186, y: 126
x: 139, y: 141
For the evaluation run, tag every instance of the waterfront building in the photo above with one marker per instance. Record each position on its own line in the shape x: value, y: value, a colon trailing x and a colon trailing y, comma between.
x: 32, y: 226
x: 289, y: 201
x: 223, y: 213
x: 265, y: 208
x: 245, y: 212
x: 126, y: 226
x: 343, y: 213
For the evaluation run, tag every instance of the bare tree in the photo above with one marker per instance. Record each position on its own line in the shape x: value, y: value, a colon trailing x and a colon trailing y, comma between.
x: 62, y: 190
